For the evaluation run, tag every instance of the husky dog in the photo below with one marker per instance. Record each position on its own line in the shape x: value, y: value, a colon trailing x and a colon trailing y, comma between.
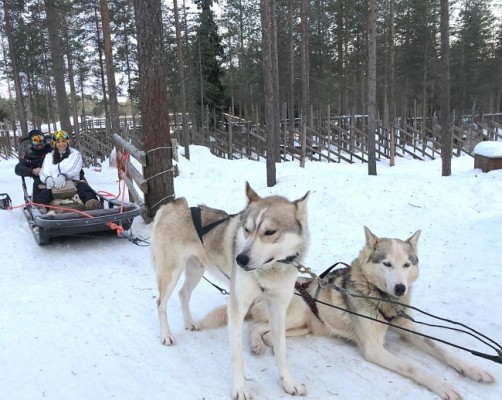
x: 249, y: 250
x: 385, y: 269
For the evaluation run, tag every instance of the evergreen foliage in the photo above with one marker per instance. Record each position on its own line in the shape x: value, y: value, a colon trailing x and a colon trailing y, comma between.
x: 223, y: 57
x: 208, y: 55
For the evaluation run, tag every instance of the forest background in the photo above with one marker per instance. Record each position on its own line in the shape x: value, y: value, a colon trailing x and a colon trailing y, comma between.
x: 222, y: 60
x: 271, y: 62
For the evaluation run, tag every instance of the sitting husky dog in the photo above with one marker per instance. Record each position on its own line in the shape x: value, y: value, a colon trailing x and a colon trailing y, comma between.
x: 248, y: 250
x: 384, y: 269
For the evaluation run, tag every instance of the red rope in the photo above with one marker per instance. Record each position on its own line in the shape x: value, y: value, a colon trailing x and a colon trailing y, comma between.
x: 55, y: 208
x: 111, y: 225
x: 125, y: 161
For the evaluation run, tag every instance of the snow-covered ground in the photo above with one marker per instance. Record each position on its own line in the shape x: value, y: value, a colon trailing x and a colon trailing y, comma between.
x: 78, y: 318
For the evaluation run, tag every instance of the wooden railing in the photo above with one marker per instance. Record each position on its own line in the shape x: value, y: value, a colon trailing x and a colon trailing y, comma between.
x: 331, y: 142
x: 335, y: 143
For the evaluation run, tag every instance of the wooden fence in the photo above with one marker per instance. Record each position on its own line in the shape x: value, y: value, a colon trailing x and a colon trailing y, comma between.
x: 341, y: 139
x: 341, y: 142
x: 331, y: 140
x: 7, y: 142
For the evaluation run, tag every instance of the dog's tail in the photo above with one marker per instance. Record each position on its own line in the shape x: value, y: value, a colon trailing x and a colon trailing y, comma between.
x: 215, y: 319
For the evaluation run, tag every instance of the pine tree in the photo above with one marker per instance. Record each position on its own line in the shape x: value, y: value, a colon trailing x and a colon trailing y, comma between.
x: 208, y: 55
x: 471, y: 55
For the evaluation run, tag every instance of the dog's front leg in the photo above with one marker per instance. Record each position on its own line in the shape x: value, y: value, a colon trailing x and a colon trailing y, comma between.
x: 276, y: 307
x: 436, y: 350
x: 370, y: 339
x: 241, y: 297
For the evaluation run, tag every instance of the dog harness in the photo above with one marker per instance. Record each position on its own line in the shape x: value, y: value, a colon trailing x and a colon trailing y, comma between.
x: 197, y: 221
x: 311, y: 301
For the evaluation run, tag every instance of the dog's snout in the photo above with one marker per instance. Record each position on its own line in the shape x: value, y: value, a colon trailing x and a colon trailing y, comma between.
x: 242, y: 259
x: 399, y: 289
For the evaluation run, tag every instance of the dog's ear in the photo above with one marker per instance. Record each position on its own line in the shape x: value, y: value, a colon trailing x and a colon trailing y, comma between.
x: 302, y: 201
x: 413, y: 240
x: 371, y: 239
x: 301, y: 207
x: 251, y: 194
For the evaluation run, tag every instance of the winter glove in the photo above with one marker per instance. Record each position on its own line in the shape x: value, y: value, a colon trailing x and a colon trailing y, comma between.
x: 60, y: 181
x: 49, y: 182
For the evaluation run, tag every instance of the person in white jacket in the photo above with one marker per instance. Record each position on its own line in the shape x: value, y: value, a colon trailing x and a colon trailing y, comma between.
x: 64, y: 163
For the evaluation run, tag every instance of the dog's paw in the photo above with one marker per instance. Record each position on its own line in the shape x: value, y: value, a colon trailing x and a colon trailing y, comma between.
x: 192, y: 326
x: 267, y: 339
x: 447, y: 392
x: 241, y: 395
x: 294, y: 388
x: 167, y: 340
x: 478, y: 374
x: 258, y: 348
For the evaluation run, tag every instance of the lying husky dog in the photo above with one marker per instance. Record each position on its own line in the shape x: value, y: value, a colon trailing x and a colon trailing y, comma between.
x: 385, y: 269
x: 246, y: 249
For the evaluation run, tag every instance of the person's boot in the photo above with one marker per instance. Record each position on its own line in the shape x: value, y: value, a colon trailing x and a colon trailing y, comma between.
x: 93, y: 204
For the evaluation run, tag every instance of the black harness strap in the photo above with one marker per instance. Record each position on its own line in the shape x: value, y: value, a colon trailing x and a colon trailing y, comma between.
x: 197, y: 222
x: 328, y: 270
x: 201, y: 231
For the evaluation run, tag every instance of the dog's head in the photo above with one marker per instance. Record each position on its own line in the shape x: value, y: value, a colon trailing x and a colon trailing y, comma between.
x: 272, y: 229
x: 390, y: 264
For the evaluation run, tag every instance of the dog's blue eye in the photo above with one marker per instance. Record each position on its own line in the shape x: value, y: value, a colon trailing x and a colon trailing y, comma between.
x: 269, y: 232
x: 387, y: 264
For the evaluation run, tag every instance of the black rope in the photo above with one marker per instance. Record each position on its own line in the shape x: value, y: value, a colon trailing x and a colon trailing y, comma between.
x: 404, y: 315
x: 138, y: 241
x: 224, y: 292
x: 495, y: 358
x: 477, y: 335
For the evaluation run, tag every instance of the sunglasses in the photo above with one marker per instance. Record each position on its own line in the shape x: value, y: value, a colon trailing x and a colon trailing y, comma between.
x: 37, y: 140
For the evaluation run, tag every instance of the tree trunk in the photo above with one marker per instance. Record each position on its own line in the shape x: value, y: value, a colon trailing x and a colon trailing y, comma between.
x: 56, y: 49
x: 181, y: 73
x: 129, y: 81
x: 372, y: 122
x: 305, y: 79
x: 275, y: 84
x: 21, y: 113
x: 291, y: 102
x: 446, y: 136
x: 340, y: 59
x: 110, y: 69
x: 51, y: 118
x: 392, y: 89
x: 102, y: 75
x: 71, y: 79
x: 154, y: 112
x: 268, y: 82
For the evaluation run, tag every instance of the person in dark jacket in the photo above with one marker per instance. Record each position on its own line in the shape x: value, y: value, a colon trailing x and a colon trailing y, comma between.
x: 31, y: 164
